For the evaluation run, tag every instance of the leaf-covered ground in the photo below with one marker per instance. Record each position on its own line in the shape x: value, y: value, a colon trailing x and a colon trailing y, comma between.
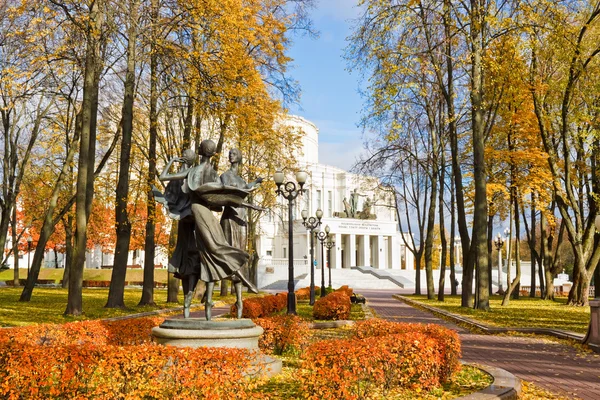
x: 520, y: 313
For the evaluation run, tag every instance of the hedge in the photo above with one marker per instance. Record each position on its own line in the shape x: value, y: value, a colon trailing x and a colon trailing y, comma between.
x: 256, y: 307
x: 283, y: 334
x: 448, y: 342
x: 107, y: 360
x: 334, y: 306
x: 391, y: 355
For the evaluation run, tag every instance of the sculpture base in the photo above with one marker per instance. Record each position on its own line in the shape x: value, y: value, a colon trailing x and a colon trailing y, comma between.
x: 197, y: 332
x: 593, y: 337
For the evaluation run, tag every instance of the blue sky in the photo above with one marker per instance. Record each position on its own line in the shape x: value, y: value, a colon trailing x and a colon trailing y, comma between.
x: 330, y: 96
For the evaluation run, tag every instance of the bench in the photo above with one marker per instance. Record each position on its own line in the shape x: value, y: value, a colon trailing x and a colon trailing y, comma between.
x: 357, y: 299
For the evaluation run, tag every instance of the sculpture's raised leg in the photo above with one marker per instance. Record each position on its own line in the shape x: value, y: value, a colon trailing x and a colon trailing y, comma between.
x: 189, y: 287
x: 238, y: 296
x: 208, y: 305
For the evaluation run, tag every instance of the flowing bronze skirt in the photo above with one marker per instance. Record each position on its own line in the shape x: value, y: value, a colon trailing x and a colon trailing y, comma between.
x: 218, y: 258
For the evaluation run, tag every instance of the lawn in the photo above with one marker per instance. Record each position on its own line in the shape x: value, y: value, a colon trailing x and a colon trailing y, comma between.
x: 48, y: 305
x: 522, y: 313
x: 56, y: 274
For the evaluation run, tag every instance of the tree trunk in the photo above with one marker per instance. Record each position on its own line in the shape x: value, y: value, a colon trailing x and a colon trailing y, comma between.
x: 149, y: 242
x: 172, y: 283
x: 514, y: 285
x: 467, y: 281
x: 15, y: 244
x: 418, y: 273
x: 479, y: 241
x: 532, y: 247
x: 68, y: 251
x: 5, y: 218
x: 84, y: 191
x: 431, y: 215
x: 490, y: 235
x: 49, y: 224
x: 116, y: 292
x: 453, y: 280
x: 173, y: 289
x: 224, y: 291
x: 441, y: 285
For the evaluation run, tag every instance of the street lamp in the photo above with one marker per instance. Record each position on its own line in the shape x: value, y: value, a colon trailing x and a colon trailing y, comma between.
x: 311, y: 224
x: 322, y: 236
x: 507, y: 235
x: 29, y: 241
x: 289, y: 192
x: 597, y: 272
x: 499, y: 242
x: 329, y: 244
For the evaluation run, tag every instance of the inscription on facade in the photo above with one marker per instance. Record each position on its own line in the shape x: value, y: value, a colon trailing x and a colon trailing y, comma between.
x: 364, y: 226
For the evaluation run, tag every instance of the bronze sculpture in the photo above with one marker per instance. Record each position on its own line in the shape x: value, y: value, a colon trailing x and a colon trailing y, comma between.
x: 185, y: 260
x: 217, y: 258
x: 234, y: 219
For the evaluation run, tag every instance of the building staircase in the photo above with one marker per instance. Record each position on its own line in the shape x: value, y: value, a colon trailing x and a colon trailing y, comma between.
x: 355, y: 278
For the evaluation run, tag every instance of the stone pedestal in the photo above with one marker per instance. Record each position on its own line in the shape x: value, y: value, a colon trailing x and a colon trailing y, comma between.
x: 593, y: 337
x: 197, y: 332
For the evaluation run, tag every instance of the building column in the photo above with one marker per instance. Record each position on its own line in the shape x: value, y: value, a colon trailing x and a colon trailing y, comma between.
x: 381, y: 252
x: 352, y: 250
x: 390, y: 251
x: 366, y: 261
x: 336, y: 251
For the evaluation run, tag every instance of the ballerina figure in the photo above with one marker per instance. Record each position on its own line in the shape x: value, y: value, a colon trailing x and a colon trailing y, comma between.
x: 218, y: 259
x: 234, y: 221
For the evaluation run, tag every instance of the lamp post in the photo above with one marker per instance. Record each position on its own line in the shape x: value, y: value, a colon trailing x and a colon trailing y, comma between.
x: 289, y: 192
x: 311, y: 224
x: 499, y: 242
x: 507, y: 235
x: 29, y: 241
x: 329, y: 244
x: 322, y: 236
x: 597, y: 271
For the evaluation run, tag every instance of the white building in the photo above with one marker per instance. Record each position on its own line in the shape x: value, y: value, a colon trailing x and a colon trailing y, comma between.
x: 371, y: 238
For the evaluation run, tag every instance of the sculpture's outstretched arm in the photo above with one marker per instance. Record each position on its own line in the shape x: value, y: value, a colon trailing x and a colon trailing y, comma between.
x: 177, y: 176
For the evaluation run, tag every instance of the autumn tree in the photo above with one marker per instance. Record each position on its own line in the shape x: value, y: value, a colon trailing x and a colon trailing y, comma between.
x: 564, y: 68
x: 122, y: 221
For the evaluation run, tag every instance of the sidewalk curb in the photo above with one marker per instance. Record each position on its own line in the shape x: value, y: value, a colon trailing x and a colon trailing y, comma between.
x: 506, y: 386
x: 489, y: 329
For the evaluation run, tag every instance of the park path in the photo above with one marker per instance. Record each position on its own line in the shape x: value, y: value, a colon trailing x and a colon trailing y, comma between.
x: 555, y: 367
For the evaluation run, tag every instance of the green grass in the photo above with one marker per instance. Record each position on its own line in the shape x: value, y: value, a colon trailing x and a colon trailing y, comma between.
x: 525, y: 312
x: 468, y: 380
x: 56, y: 274
x: 48, y: 305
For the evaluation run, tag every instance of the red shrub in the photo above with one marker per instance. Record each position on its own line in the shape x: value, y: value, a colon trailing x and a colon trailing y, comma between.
x: 303, y: 294
x: 252, y: 309
x: 283, y: 334
x: 448, y: 343
x: 281, y: 301
x: 256, y: 307
x: 355, y: 368
x: 334, y: 306
x: 96, y: 359
x: 345, y: 289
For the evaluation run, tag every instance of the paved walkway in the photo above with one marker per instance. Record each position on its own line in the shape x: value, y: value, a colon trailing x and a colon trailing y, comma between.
x: 555, y: 367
